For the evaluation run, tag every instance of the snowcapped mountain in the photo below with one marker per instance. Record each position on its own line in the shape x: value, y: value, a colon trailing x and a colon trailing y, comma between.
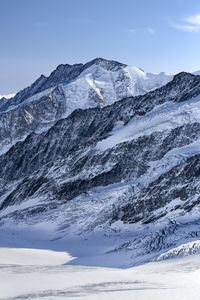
x: 7, y: 96
x: 116, y: 178
x: 97, y: 83
x: 196, y: 73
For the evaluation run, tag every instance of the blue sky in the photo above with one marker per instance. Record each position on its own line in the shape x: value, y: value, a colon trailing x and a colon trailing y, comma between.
x: 37, y: 35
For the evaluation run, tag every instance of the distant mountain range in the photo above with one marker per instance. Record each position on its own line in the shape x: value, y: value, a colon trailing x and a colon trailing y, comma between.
x: 8, y: 96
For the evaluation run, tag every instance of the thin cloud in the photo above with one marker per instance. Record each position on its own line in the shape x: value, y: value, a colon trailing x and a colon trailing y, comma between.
x: 132, y: 30
x: 190, y: 24
x: 151, y: 30
x: 194, y: 20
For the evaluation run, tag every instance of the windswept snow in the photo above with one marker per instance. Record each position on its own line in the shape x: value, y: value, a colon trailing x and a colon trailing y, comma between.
x: 163, y: 118
x: 171, y: 159
x: 141, y: 82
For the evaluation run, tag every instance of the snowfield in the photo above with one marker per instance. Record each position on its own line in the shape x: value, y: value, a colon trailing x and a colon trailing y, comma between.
x: 36, y: 257
x: 42, y: 274
x: 160, y: 119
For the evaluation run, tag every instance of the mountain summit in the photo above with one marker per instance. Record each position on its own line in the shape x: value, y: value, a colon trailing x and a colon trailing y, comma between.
x: 99, y: 82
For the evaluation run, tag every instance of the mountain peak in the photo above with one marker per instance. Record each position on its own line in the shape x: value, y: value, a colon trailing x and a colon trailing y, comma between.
x: 183, y: 75
x: 99, y: 61
x: 110, y: 65
x: 8, y: 96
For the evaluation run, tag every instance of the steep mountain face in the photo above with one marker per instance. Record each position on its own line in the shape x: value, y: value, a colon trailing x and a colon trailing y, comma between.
x: 97, y: 83
x: 128, y: 171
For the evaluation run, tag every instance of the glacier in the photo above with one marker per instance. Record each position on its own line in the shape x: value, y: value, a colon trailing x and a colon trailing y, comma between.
x: 100, y: 173
x: 53, y: 280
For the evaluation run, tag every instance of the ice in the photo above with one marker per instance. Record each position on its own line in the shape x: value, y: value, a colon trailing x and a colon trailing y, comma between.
x: 177, y: 279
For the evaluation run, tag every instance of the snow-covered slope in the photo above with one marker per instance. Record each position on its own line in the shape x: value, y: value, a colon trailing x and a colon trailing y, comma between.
x: 111, y: 78
x: 165, y: 117
x: 196, y: 73
x: 183, y: 250
x: 161, y: 280
x: 29, y: 280
x: 120, y: 181
x: 8, y: 96
x: 95, y: 84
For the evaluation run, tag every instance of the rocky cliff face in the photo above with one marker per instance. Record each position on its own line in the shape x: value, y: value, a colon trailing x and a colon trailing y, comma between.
x: 129, y: 169
x: 97, y: 83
